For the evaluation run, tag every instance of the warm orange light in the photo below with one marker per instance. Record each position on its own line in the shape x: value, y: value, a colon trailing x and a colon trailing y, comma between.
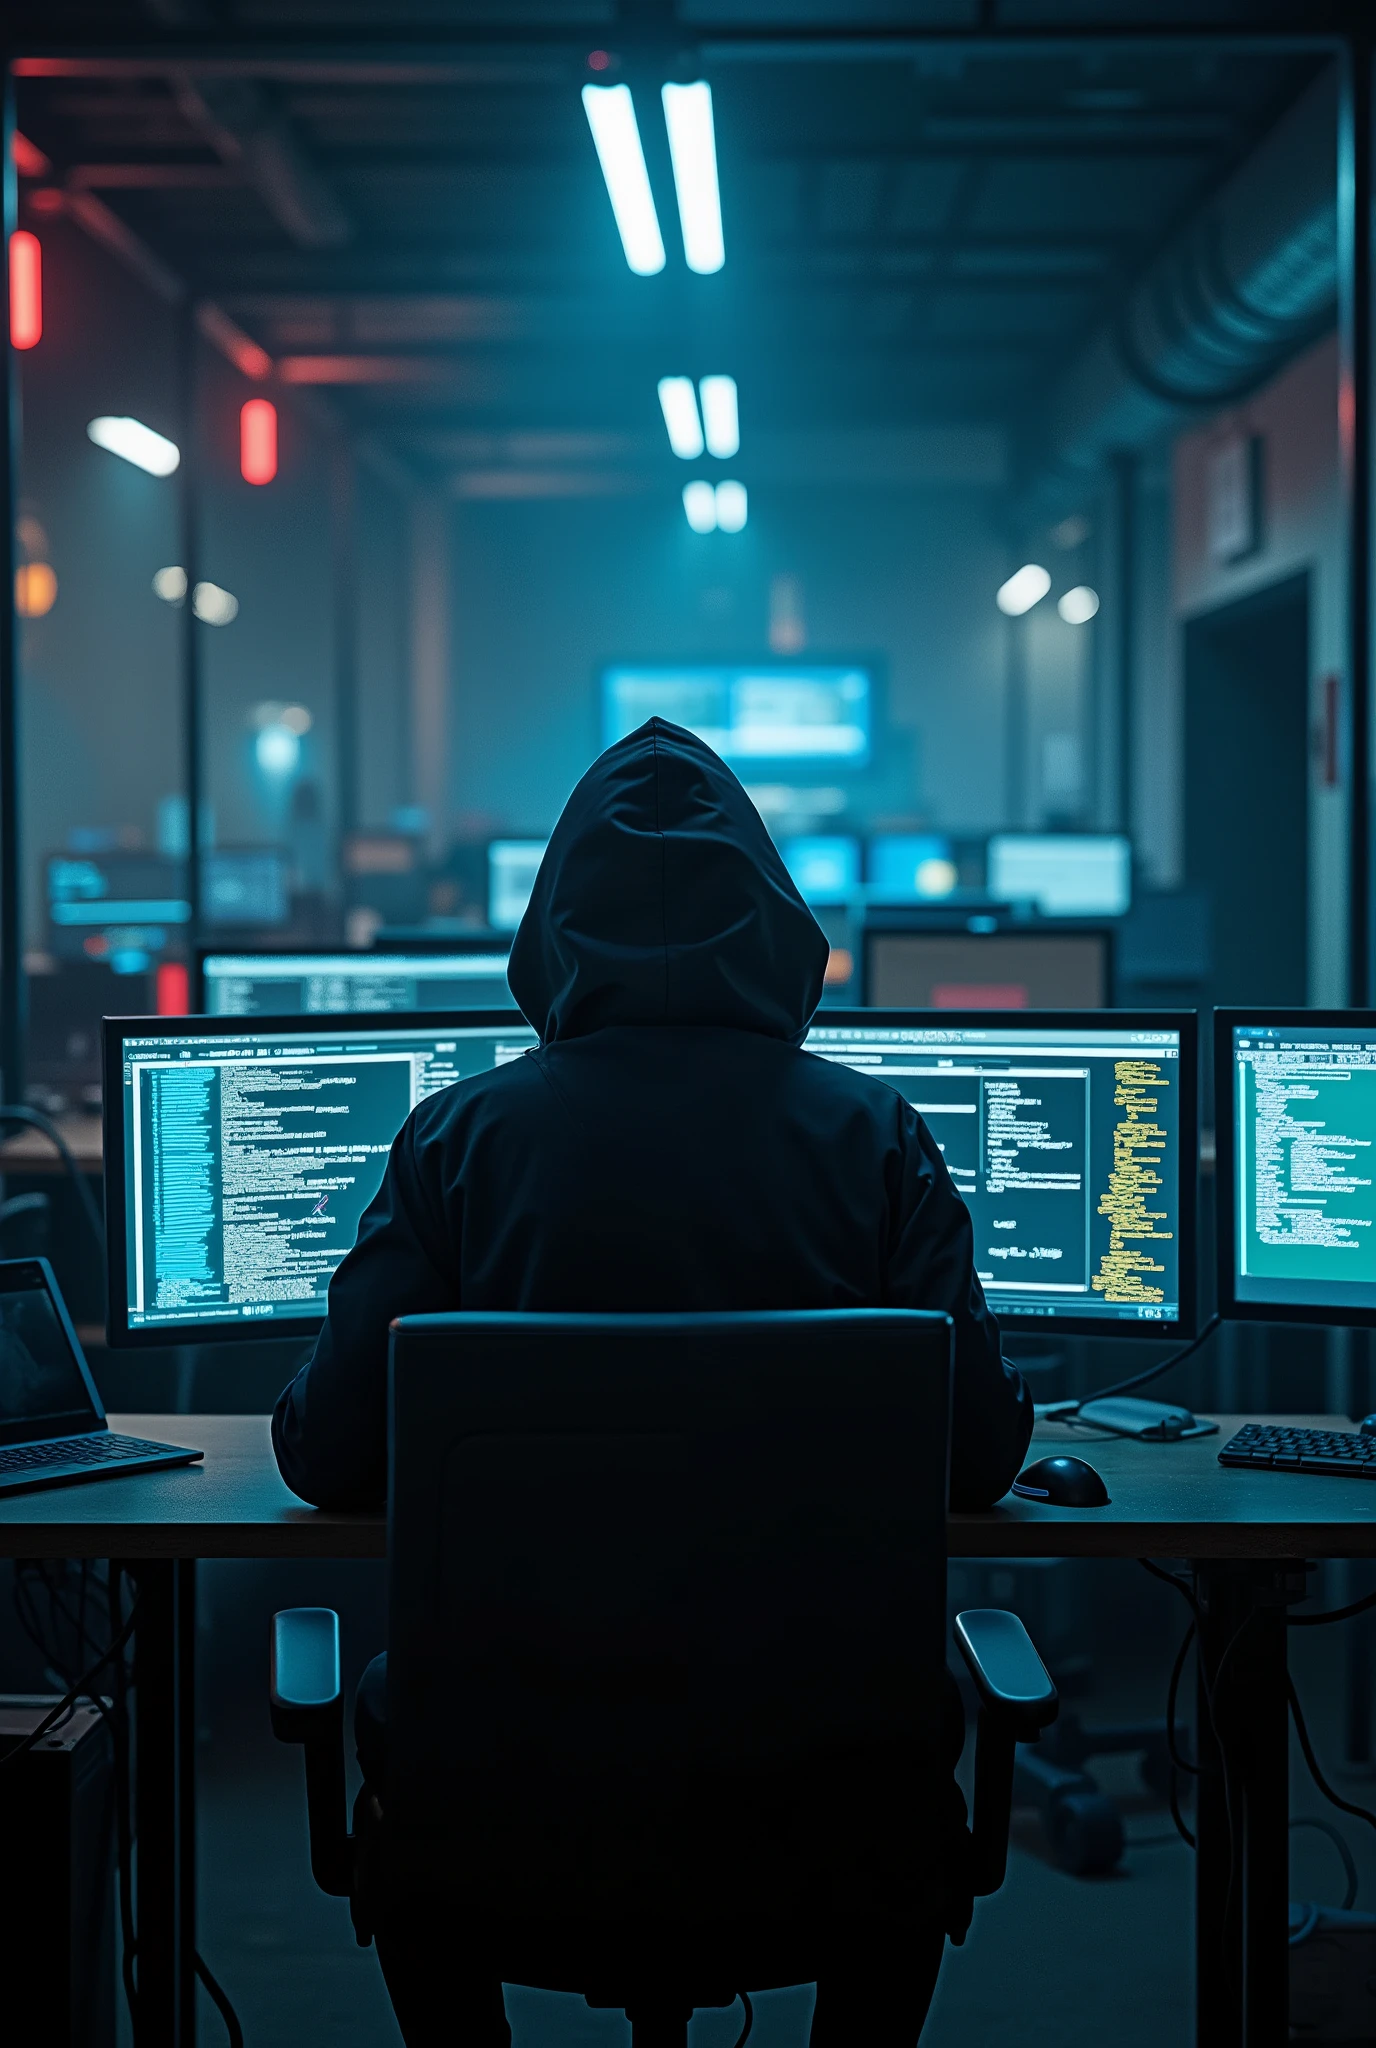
x: 258, y: 441
x: 35, y: 589
x: 26, y: 289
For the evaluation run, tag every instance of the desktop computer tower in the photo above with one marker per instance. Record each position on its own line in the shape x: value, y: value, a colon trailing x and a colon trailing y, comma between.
x: 57, y: 1878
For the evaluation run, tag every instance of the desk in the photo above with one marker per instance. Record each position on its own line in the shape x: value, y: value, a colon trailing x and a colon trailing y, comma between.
x: 1244, y: 1533
x: 32, y: 1151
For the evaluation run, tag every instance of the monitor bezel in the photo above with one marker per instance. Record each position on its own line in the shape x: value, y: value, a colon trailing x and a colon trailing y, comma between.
x: 910, y: 921
x: 200, y: 953
x: 1225, y: 1177
x: 1186, y: 1022
x: 114, y: 1032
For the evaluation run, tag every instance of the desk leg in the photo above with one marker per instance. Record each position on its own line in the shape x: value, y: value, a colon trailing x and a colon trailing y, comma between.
x: 1242, y: 1825
x: 165, y: 1791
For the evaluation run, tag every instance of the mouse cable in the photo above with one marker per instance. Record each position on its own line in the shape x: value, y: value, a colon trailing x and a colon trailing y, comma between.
x: 1063, y: 1411
x: 20, y: 1113
x: 1312, y: 1762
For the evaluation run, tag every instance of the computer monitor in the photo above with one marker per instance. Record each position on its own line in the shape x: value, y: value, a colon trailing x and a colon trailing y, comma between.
x: 824, y: 865
x: 910, y: 867
x: 1295, y: 1118
x: 244, y: 886
x: 1072, y: 1138
x: 803, y: 714
x: 1008, y: 968
x: 307, y: 982
x: 1063, y: 874
x: 119, y: 908
x: 512, y: 865
x: 239, y: 1157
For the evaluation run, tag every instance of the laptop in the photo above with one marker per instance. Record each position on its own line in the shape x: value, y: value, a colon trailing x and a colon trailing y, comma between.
x: 52, y: 1424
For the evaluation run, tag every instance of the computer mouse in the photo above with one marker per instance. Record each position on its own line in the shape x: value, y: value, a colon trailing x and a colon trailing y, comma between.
x: 1062, y: 1483
x: 1367, y: 1427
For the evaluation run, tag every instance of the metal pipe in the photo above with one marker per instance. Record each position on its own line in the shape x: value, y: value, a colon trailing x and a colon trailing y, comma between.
x: 11, y: 902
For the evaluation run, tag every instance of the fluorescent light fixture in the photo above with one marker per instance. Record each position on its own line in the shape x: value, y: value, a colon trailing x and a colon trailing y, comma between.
x: 700, y: 503
x: 693, y: 148
x: 213, y: 606
x: 679, y: 404
x: 1026, y: 587
x: 1079, y: 605
x: 136, y: 443
x: 611, y: 117
x: 732, y: 506
x: 721, y: 417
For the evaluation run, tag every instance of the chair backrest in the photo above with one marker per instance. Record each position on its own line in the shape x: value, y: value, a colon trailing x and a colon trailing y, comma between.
x: 667, y: 1595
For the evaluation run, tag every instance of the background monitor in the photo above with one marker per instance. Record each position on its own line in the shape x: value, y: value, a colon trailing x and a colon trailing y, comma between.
x: 512, y: 865
x: 1072, y: 1139
x: 824, y: 865
x: 910, y: 867
x: 1065, y: 874
x: 118, y: 908
x: 1018, y: 969
x: 322, y: 983
x: 803, y: 713
x: 1295, y: 1110
x: 244, y: 886
x: 239, y: 1158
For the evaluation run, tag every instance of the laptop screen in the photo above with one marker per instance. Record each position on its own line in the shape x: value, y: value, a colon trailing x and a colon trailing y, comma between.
x: 43, y: 1387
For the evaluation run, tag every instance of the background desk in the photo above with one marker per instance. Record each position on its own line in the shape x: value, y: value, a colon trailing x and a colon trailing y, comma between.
x: 1243, y: 1532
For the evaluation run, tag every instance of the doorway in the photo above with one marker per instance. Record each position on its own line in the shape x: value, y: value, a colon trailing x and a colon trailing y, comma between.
x: 1247, y: 789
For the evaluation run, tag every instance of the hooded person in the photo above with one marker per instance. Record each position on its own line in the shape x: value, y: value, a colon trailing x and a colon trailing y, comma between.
x: 667, y: 1146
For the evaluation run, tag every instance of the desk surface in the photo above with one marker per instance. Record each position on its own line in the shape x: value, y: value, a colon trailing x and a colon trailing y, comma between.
x: 30, y: 1151
x: 1168, y: 1500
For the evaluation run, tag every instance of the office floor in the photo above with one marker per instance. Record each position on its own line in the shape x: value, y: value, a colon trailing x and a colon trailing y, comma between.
x: 1063, y: 1960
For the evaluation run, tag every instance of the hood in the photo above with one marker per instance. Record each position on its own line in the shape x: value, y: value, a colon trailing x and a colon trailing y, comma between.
x: 662, y: 899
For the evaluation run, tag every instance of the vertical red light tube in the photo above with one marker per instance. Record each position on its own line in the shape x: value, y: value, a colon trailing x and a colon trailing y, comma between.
x: 26, y: 289
x: 258, y: 441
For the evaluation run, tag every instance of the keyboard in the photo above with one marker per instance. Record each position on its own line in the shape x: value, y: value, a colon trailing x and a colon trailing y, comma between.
x: 1302, y: 1450
x: 81, y: 1457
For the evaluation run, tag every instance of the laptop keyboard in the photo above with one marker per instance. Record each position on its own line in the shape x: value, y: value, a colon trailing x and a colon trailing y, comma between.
x: 103, y: 1449
x: 1302, y: 1450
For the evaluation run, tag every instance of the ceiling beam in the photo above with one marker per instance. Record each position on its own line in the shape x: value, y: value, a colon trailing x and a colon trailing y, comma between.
x: 243, y: 122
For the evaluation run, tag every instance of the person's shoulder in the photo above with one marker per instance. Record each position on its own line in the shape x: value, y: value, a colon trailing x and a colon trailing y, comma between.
x: 436, y: 1117
x: 839, y: 1081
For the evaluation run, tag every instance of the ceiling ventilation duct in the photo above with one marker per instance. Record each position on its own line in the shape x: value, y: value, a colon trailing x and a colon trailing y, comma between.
x: 1246, y: 284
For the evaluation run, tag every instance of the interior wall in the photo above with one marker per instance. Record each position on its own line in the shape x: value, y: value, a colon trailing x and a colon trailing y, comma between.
x: 1296, y: 417
x: 546, y: 593
x: 99, y: 710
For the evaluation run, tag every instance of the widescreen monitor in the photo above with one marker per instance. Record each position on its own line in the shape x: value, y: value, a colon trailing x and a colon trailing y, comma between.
x: 310, y: 983
x: 824, y: 865
x: 119, y: 908
x: 1295, y: 1114
x: 1008, y: 969
x: 512, y: 865
x: 240, y: 1156
x: 1072, y: 1139
x: 910, y: 867
x: 1062, y: 874
x: 799, y: 713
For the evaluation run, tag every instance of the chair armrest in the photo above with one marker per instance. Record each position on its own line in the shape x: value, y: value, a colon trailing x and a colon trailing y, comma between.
x: 1011, y: 1678
x: 1017, y: 1700
x: 307, y: 1706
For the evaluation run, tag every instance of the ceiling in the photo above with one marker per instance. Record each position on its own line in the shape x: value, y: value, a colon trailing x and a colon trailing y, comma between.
x: 401, y: 207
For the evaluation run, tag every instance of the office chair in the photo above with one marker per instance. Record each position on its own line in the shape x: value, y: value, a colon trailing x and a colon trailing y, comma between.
x: 666, y: 1665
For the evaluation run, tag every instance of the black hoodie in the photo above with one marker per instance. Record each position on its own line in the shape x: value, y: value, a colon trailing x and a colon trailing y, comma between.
x: 667, y: 1146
